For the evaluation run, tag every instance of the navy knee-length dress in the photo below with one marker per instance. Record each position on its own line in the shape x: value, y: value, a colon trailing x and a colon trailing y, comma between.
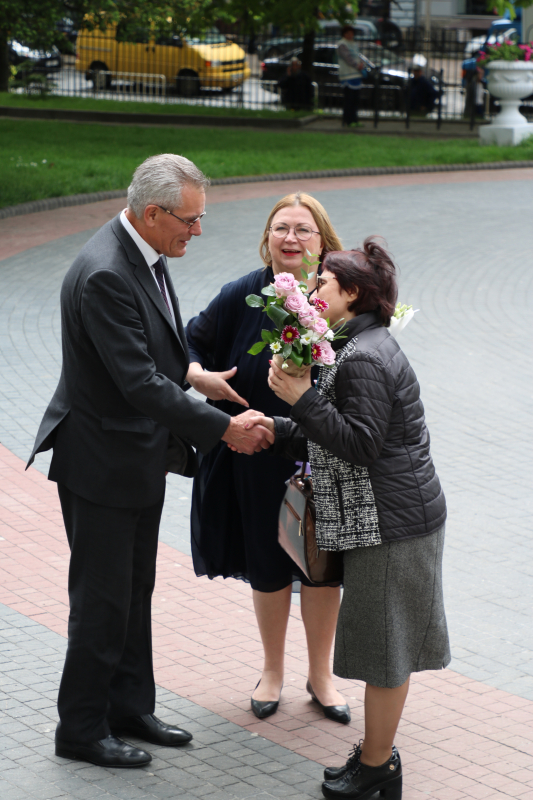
x: 236, y: 498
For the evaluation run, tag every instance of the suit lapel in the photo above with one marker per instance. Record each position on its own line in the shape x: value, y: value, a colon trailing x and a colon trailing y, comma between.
x: 145, y: 277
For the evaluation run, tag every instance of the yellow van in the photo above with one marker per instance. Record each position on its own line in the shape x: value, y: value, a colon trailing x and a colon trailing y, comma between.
x: 189, y: 63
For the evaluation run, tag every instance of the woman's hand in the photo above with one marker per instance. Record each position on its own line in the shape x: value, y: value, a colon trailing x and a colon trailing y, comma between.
x: 214, y: 384
x: 287, y: 387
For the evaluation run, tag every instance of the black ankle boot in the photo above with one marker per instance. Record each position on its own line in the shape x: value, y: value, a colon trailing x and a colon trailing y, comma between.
x: 334, y: 773
x: 361, y: 782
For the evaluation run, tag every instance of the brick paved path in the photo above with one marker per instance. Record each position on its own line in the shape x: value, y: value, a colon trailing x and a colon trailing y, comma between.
x: 463, y: 243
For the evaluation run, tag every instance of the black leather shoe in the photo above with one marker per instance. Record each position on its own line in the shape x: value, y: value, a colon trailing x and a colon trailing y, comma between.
x: 336, y: 713
x: 151, y: 729
x: 361, y: 782
x: 334, y: 773
x: 265, y: 708
x: 108, y: 752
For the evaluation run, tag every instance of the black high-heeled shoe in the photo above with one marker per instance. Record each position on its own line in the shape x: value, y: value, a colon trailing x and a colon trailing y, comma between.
x: 361, y: 782
x: 336, y: 713
x: 334, y: 773
x: 265, y: 708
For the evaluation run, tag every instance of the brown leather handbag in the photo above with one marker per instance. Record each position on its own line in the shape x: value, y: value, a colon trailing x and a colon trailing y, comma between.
x: 296, y: 533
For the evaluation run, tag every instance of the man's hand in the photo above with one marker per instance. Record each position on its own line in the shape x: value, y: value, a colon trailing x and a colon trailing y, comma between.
x: 247, y: 434
x: 214, y: 384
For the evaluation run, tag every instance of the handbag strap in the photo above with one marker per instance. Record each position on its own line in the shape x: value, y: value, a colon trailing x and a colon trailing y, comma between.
x: 301, y: 474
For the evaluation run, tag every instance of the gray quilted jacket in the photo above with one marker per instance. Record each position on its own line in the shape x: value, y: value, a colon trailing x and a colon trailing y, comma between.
x: 366, y: 434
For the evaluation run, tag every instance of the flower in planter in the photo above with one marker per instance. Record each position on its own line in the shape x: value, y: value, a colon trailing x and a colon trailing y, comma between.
x: 505, y: 51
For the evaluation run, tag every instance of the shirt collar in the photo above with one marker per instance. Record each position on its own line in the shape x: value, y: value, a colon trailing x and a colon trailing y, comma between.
x: 151, y: 256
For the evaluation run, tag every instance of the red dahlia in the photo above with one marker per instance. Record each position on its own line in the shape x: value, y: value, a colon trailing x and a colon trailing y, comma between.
x: 319, y: 304
x: 289, y: 334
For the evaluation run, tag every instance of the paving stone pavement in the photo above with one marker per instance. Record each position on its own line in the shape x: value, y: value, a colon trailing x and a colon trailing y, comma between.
x: 464, y: 250
x: 223, y: 761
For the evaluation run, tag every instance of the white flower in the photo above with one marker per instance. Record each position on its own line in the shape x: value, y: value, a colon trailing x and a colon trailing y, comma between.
x: 316, y: 337
x: 307, y: 337
x: 275, y: 347
x: 329, y: 335
x: 397, y: 324
x: 284, y: 365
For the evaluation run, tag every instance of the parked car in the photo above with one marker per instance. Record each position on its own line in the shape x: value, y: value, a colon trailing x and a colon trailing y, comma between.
x: 330, y: 30
x: 42, y: 61
x: 190, y: 63
x: 394, y: 73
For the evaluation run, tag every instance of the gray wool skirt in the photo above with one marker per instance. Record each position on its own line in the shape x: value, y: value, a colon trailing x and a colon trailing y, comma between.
x: 392, y: 621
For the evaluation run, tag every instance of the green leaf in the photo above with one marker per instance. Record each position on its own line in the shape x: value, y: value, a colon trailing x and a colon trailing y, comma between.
x: 267, y: 336
x: 256, y: 348
x: 311, y: 275
x: 269, y: 290
x: 278, y: 316
x: 297, y: 345
x: 298, y: 360
x: 270, y: 300
x: 305, y: 276
x: 306, y: 353
x: 286, y: 350
x: 254, y: 301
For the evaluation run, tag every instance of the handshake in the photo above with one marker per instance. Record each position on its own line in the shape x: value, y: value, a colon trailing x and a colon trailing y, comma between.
x: 250, y: 432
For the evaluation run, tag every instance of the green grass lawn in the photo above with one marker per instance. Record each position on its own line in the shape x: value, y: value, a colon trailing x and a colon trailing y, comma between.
x: 41, y: 159
x: 136, y: 107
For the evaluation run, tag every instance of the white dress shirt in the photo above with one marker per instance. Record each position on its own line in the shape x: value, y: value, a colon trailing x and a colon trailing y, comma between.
x: 151, y: 256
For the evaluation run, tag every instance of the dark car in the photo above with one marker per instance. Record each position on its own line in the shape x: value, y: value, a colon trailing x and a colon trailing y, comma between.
x: 42, y: 61
x: 392, y: 71
x: 329, y: 33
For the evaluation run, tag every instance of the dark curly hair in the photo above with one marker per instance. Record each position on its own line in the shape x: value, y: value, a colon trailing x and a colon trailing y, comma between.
x: 371, y: 271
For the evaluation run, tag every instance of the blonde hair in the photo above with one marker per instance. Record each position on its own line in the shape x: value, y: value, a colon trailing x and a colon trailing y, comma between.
x: 330, y: 240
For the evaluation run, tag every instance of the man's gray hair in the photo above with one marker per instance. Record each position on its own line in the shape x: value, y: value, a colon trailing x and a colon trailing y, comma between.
x: 159, y: 181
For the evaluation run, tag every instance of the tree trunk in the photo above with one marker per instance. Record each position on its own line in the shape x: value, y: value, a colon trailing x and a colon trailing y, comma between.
x: 307, y: 53
x: 4, y: 63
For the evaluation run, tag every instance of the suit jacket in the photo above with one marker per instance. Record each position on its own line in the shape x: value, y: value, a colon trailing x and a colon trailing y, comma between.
x: 121, y: 396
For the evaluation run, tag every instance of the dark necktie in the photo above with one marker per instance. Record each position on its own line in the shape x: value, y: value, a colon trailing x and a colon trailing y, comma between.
x: 158, y: 271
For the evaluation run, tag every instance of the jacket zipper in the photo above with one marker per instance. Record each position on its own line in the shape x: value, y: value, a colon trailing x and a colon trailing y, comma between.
x: 339, y: 493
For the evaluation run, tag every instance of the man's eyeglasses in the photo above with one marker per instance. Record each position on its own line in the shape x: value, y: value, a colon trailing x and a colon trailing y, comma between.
x: 185, y: 222
x: 302, y: 232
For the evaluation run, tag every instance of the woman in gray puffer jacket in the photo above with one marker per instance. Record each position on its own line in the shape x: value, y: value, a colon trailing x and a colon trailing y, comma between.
x: 378, y: 500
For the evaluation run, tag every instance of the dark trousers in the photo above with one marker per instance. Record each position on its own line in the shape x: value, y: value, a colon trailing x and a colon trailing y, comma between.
x: 350, y: 108
x: 108, y: 672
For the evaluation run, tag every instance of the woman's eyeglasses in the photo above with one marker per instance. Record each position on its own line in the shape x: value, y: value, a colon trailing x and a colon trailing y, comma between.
x: 302, y: 232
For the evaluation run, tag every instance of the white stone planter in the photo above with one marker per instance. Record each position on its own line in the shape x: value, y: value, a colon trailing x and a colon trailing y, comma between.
x: 510, y: 82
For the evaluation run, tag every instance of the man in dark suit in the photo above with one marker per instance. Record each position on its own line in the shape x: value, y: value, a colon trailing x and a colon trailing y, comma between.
x: 119, y: 419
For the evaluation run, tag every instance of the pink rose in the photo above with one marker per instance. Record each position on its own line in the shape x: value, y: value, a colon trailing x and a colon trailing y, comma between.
x: 320, y: 326
x: 327, y: 353
x: 285, y: 284
x: 307, y: 317
x: 295, y: 303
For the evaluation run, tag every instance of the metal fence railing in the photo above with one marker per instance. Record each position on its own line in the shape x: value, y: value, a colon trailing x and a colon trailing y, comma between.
x: 240, y: 70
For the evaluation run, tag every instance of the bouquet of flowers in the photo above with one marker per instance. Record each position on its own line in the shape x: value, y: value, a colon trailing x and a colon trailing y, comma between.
x: 402, y: 316
x: 301, y: 337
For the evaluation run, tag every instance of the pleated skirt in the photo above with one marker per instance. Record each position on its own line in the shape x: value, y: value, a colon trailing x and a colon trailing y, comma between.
x: 392, y: 620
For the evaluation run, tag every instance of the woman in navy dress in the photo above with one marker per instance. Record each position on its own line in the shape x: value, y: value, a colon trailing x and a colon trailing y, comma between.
x: 236, y: 499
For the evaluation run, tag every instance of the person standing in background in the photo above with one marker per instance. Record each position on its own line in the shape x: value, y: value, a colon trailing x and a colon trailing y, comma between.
x: 350, y: 74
